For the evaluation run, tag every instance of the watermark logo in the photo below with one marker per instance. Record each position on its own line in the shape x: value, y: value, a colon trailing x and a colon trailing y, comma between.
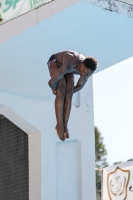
x: 10, y: 4
x: 117, y: 184
x: 8, y: 8
x: 0, y: 12
x: 36, y: 3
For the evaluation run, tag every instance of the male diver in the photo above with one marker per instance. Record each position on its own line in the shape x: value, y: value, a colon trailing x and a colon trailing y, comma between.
x: 62, y: 67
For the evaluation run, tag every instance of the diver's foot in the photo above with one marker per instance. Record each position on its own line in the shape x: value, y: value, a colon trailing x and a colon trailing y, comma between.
x: 66, y: 133
x: 60, y: 132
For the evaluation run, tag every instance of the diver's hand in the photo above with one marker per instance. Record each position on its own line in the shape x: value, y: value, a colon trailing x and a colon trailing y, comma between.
x: 53, y: 88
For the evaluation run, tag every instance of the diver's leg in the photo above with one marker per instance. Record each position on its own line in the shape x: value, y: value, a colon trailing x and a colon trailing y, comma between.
x: 59, y: 105
x: 59, y: 100
x: 68, y: 101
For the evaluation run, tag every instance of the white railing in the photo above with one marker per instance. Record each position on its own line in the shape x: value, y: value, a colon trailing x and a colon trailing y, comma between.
x: 10, y: 9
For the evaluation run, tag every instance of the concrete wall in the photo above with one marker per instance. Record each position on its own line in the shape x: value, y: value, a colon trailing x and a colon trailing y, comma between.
x: 34, y: 155
x: 67, y: 168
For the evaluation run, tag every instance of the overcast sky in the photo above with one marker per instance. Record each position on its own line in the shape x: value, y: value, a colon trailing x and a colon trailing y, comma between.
x: 113, y: 109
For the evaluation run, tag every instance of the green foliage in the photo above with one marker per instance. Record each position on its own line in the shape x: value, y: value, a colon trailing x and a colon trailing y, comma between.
x: 98, y: 184
x: 100, y: 150
x: 131, y: 159
x: 100, y: 159
x: 118, y: 162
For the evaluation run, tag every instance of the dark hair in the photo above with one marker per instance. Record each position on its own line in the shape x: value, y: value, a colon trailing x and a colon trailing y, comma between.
x: 90, y: 63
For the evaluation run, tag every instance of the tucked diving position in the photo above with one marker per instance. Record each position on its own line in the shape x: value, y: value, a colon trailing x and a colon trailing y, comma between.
x: 62, y: 67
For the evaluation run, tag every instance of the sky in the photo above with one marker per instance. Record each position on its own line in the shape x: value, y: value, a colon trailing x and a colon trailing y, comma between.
x: 113, y: 109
